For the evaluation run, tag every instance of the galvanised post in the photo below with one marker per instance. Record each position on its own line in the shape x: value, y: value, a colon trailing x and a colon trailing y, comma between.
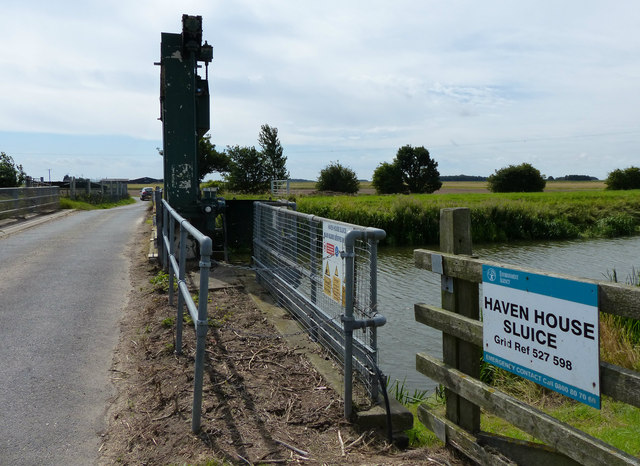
x: 172, y: 252
x: 165, y: 235
x: 159, y: 209
x: 315, y: 242
x: 181, y: 279
x: 202, y: 326
x: 373, y: 295
x: 349, y: 256
x: 349, y: 323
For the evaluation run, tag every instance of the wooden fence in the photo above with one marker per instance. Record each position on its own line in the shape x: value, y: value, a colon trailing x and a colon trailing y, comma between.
x: 459, y: 371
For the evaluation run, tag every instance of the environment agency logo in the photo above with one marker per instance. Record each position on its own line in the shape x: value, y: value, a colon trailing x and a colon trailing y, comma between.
x: 492, y: 275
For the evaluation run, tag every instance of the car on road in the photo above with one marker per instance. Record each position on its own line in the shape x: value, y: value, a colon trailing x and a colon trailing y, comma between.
x: 146, y: 194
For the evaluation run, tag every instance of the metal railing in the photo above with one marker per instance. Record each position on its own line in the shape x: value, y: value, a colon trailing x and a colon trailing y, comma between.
x: 17, y: 202
x: 175, y: 263
x: 324, y: 272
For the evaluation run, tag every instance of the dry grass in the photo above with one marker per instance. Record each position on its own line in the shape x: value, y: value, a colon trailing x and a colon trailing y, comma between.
x: 616, y: 345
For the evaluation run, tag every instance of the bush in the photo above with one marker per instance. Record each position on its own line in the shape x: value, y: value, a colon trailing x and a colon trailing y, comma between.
x: 629, y: 178
x: 387, y: 179
x: 523, y: 178
x: 335, y: 177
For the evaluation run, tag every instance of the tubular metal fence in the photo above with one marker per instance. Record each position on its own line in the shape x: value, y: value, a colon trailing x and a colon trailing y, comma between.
x: 167, y: 219
x: 324, y: 272
x: 17, y: 202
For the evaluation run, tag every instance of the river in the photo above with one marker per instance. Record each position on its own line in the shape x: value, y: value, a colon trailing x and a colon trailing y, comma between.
x: 401, y: 285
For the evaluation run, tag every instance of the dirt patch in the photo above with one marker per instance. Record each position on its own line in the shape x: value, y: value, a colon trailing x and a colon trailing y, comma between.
x: 263, y: 401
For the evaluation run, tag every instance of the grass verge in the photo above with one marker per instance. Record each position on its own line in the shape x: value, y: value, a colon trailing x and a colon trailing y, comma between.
x: 66, y: 203
x: 616, y: 423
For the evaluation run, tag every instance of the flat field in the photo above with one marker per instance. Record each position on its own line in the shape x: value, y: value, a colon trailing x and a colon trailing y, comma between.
x: 307, y: 187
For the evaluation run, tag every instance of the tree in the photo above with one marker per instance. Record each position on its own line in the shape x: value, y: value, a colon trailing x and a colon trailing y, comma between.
x: 419, y: 170
x: 387, y: 179
x: 209, y: 159
x: 272, y: 150
x: 523, y: 178
x: 335, y: 177
x: 11, y: 175
x: 629, y: 178
x: 246, y: 172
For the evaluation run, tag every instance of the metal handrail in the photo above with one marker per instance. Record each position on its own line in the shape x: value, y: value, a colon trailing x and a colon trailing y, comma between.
x: 177, y: 265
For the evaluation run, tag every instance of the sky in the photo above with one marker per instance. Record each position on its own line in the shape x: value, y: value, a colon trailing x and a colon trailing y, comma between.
x: 481, y: 85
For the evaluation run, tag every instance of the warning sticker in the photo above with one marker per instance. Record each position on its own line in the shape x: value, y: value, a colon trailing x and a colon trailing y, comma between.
x: 333, y: 235
x: 327, y: 280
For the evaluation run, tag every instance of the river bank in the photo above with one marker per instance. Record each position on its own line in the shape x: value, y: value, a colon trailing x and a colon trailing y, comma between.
x: 503, y: 217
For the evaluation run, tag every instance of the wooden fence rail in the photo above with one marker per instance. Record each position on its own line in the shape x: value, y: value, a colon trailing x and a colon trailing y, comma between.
x: 458, y: 319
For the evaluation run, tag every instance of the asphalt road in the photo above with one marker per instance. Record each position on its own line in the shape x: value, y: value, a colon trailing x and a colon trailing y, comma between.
x: 63, y: 285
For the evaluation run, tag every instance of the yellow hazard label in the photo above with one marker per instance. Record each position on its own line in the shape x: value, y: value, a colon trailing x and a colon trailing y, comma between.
x: 327, y: 285
x: 336, y: 289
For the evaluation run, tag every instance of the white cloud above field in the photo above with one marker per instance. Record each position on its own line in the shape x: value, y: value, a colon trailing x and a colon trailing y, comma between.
x: 481, y: 85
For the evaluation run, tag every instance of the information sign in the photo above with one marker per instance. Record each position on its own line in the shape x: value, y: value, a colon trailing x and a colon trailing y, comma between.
x: 544, y: 329
x: 333, y: 235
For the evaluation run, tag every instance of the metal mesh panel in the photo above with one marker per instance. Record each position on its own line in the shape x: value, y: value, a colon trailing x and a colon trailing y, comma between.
x: 288, y: 256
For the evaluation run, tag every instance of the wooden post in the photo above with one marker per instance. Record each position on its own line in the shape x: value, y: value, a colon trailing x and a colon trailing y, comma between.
x: 461, y: 297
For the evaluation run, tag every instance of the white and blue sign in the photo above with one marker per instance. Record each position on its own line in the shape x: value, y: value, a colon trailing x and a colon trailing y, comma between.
x: 544, y: 329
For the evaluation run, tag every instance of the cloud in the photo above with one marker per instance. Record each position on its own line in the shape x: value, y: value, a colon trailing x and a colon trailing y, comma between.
x: 504, y: 80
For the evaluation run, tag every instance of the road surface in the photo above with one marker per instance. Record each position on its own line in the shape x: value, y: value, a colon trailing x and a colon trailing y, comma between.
x: 63, y: 285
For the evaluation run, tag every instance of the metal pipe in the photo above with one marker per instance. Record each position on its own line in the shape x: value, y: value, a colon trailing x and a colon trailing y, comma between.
x: 159, y: 210
x: 373, y: 293
x: 181, y: 279
x: 348, y: 320
x: 172, y: 253
x: 165, y: 229
x: 201, y: 331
